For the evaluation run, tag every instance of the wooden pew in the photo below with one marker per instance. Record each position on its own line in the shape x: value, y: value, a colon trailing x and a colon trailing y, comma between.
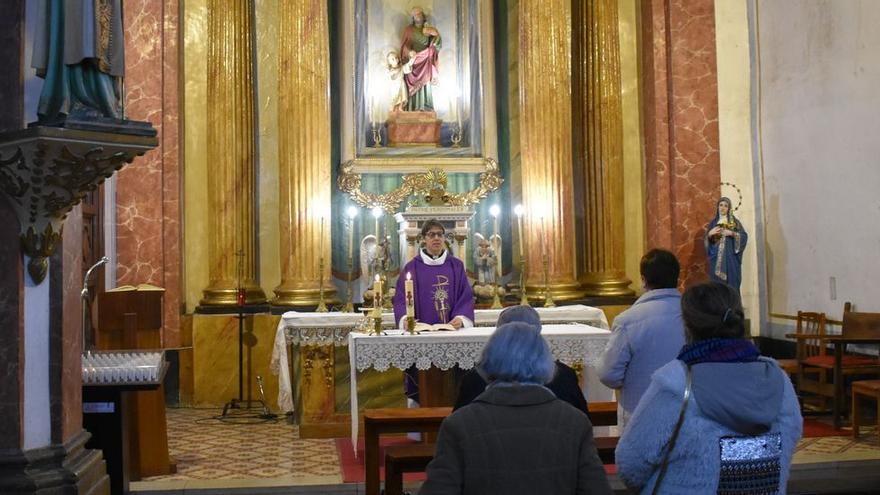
x: 414, y: 458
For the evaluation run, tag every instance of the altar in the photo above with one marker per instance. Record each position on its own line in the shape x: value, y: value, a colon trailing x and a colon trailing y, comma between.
x: 304, y: 357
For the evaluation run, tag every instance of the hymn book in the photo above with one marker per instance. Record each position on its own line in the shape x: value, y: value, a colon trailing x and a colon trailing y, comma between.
x: 424, y: 327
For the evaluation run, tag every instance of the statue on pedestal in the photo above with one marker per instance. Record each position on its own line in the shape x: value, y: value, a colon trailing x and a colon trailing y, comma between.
x: 484, y: 262
x: 725, y: 241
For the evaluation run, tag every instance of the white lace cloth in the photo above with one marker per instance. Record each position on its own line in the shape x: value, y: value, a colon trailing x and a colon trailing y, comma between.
x: 296, y: 328
x: 572, y: 344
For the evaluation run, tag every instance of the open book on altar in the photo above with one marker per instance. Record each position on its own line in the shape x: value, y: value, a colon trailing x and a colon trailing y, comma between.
x: 140, y: 287
x: 424, y: 327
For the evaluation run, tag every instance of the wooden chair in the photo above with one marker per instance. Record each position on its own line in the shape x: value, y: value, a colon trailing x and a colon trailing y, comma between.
x: 866, y: 388
x: 811, y: 356
x: 858, y: 328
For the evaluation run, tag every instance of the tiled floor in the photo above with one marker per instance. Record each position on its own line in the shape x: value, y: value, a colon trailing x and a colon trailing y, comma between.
x: 209, y: 449
x: 221, y: 457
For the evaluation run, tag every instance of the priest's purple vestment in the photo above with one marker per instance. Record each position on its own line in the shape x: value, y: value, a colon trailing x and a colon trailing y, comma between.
x: 441, y: 292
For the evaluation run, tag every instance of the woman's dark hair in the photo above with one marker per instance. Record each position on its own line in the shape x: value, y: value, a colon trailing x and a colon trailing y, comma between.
x: 712, y: 310
x: 660, y: 269
x: 430, y: 224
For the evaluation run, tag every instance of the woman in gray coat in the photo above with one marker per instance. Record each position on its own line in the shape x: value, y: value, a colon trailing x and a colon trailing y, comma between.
x: 740, y: 424
x: 516, y: 437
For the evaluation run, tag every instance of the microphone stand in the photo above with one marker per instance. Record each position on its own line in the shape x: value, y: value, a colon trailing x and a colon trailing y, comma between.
x: 85, y: 294
x: 237, y: 403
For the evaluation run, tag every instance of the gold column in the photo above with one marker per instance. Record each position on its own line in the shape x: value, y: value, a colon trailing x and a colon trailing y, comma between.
x: 303, y: 152
x: 232, y: 236
x: 545, y: 144
x: 598, y: 127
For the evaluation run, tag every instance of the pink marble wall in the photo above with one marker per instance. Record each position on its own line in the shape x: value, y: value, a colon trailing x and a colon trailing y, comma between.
x: 66, y: 339
x: 680, y: 91
x: 148, y: 190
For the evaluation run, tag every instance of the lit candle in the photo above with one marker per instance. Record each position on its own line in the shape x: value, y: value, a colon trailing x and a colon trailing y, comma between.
x: 408, y: 292
x: 495, y: 210
x: 377, y: 292
x: 377, y: 213
x: 352, y: 212
x: 321, y: 242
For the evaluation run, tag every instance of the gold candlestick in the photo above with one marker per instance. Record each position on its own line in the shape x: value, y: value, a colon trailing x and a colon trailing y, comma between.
x: 322, y: 306
x: 548, y: 297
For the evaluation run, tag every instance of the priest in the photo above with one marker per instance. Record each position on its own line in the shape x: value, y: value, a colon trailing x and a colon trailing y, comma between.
x: 442, y: 293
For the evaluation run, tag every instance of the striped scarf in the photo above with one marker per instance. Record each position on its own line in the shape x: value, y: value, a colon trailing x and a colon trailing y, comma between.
x: 719, y: 351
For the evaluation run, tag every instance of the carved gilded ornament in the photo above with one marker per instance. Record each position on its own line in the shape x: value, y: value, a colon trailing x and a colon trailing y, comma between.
x: 432, y: 182
x: 46, y: 171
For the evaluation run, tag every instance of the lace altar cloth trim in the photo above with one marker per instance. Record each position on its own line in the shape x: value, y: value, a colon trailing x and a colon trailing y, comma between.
x: 444, y: 350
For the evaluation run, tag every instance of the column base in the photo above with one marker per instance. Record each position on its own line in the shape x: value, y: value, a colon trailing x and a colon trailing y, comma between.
x: 606, y: 285
x: 561, y: 291
x: 67, y: 468
x: 227, y: 295
x: 291, y: 295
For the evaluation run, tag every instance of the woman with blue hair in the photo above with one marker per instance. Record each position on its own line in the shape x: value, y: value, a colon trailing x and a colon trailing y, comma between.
x: 564, y: 383
x: 516, y: 437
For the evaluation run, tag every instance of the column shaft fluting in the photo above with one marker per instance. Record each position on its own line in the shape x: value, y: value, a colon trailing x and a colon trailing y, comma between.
x: 231, y: 155
x: 546, y: 148
x: 598, y: 127
x: 304, y: 152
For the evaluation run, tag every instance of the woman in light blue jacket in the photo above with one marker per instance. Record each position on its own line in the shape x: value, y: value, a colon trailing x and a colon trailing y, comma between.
x: 736, y: 397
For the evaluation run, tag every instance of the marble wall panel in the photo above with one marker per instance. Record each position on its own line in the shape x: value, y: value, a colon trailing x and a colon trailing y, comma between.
x: 148, y: 190
x: 11, y: 329
x: 65, y: 343
x: 682, y: 161
x: 215, y: 358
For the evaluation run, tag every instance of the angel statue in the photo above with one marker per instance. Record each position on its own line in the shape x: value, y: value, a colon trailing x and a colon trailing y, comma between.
x: 725, y: 241
x: 484, y: 261
x: 375, y: 260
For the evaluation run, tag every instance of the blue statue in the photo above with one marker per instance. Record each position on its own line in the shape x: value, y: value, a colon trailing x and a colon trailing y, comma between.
x: 725, y: 241
x: 78, y: 51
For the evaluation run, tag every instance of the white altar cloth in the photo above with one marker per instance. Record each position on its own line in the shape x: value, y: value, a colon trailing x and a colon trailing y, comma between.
x: 572, y: 344
x: 333, y: 329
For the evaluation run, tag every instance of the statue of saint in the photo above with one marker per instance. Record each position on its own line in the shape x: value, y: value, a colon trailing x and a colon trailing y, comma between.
x: 725, y: 241
x: 396, y: 72
x: 420, y: 45
x: 484, y: 262
x: 78, y: 51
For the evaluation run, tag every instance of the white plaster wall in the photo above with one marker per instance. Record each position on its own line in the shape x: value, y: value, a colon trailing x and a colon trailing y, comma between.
x: 734, y: 128
x: 819, y: 116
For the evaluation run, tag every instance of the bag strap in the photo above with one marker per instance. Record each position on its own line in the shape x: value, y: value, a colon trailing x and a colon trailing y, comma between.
x: 665, y: 462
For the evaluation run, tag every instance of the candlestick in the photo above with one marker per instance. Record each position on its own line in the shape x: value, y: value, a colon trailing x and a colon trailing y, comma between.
x: 409, y: 295
x: 523, y: 299
x: 548, y: 296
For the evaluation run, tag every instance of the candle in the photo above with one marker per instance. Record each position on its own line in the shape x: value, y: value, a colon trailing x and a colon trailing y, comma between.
x: 543, y: 233
x: 408, y: 292
x: 321, y: 242
x: 519, y: 212
x: 352, y: 212
x: 377, y: 292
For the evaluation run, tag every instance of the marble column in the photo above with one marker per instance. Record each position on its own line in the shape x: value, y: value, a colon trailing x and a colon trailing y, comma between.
x: 231, y: 155
x: 546, y: 148
x: 304, y: 152
x: 598, y: 141
x: 680, y: 104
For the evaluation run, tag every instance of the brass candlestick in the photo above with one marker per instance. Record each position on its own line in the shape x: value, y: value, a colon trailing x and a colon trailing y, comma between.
x: 548, y: 297
x: 410, y: 323
x: 322, y: 307
x: 523, y: 298
x: 377, y: 137
x: 456, y: 136
x: 496, y: 302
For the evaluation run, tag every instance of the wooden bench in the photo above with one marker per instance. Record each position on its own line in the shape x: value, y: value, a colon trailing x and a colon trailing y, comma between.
x: 394, y: 420
x: 414, y: 458
x: 868, y: 388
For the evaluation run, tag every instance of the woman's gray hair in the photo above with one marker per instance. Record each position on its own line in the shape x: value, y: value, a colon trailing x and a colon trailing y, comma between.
x: 519, y: 313
x: 517, y: 353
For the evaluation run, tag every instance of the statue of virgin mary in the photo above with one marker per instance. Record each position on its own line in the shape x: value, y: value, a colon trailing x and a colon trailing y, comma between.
x: 725, y: 241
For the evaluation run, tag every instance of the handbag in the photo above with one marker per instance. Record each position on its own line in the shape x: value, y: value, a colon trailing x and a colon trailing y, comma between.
x: 684, y: 403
